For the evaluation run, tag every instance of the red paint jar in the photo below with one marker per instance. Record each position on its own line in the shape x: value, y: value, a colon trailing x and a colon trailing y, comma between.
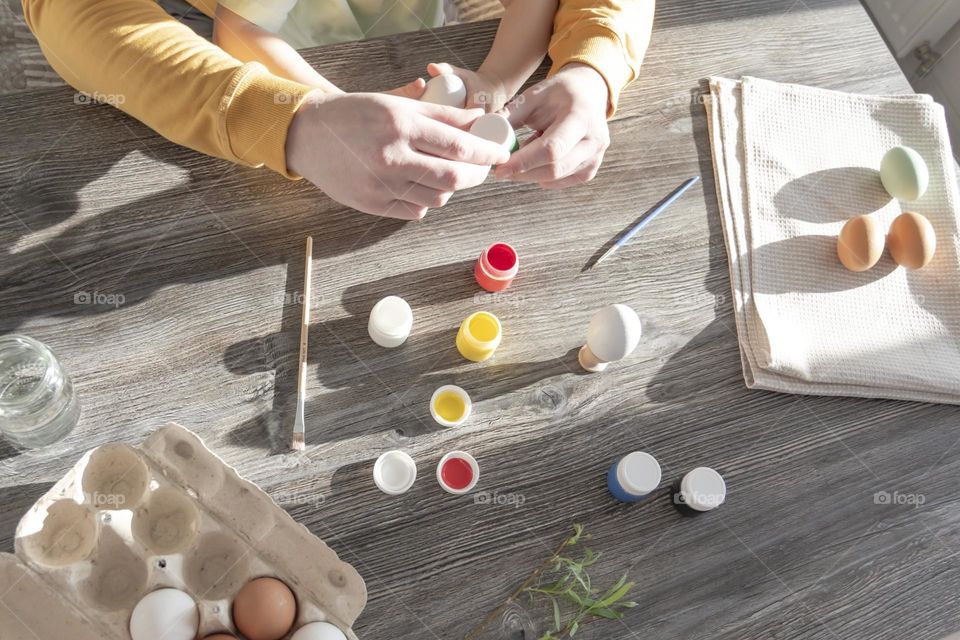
x: 497, y: 266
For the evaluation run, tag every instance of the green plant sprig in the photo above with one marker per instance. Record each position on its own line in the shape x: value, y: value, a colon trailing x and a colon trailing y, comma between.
x: 564, y: 580
x: 567, y: 582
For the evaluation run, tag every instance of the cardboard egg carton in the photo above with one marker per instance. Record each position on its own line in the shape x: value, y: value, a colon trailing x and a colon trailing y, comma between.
x: 126, y: 521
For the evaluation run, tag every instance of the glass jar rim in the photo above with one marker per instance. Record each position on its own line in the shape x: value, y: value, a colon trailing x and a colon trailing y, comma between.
x: 49, y: 373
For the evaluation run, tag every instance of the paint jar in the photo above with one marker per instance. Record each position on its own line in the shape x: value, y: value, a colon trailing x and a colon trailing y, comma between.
x: 394, y: 472
x: 38, y: 405
x: 702, y: 489
x: 479, y: 336
x: 496, y: 267
x: 450, y: 406
x: 390, y: 322
x: 633, y: 476
x: 458, y: 472
x: 496, y: 128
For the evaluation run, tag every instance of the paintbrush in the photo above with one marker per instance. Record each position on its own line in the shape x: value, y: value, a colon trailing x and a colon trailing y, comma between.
x: 649, y: 216
x: 299, y: 431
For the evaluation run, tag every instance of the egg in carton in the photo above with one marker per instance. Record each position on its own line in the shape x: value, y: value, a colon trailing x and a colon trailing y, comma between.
x: 128, y: 521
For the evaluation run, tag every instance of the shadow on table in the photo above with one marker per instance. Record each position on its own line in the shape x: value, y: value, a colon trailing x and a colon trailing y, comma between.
x: 347, y: 361
x: 53, y: 247
x: 16, y: 501
x: 684, y: 375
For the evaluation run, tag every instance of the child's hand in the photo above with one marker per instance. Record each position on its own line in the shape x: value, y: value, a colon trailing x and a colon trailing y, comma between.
x: 569, y: 113
x: 412, y: 90
x: 483, y: 92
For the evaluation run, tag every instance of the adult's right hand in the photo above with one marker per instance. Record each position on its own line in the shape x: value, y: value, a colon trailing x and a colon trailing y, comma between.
x: 387, y: 155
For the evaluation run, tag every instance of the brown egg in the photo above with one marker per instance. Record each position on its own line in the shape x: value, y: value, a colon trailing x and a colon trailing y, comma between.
x: 912, y: 240
x: 860, y: 243
x: 264, y: 609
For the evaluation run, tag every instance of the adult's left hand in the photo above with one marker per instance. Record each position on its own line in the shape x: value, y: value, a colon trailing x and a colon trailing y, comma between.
x: 568, y: 112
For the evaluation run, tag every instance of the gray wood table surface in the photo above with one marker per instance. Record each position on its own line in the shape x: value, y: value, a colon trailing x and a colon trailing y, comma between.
x: 203, y: 261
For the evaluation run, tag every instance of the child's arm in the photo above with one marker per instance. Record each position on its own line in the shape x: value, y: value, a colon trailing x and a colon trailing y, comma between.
x: 517, y: 51
x: 249, y: 42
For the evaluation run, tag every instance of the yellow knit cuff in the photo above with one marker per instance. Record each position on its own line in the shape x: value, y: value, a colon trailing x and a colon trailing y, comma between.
x: 599, y: 47
x: 255, y: 114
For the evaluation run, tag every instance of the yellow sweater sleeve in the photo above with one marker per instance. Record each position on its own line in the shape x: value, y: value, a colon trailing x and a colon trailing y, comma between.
x: 609, y: 35
x: 174, y: 81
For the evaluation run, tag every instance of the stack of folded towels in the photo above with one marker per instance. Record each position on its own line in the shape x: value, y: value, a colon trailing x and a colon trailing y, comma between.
x: 792, y: 164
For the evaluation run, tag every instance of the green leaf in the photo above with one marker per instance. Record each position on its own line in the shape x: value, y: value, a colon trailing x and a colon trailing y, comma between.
x: 557, y: 622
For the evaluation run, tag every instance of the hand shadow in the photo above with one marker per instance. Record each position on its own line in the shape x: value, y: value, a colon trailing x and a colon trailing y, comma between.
x: 174, y: 217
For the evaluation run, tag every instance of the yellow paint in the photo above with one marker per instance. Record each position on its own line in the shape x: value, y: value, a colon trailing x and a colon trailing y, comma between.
x: 479, y: 336
x: 449, y: 406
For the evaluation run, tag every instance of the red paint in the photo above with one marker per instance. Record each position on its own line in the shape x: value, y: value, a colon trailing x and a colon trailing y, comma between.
x: 497, y: 266
x: 501, y: 256
x: 457, y: 473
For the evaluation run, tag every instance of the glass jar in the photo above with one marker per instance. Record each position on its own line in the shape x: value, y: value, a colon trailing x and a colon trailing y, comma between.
x: 38, y: 405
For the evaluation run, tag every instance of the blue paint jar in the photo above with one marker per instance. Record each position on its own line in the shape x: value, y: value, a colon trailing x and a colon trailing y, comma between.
x: 633, y: 477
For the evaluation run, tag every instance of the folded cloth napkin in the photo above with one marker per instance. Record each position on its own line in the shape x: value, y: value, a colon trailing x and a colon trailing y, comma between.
x: 792, y: 164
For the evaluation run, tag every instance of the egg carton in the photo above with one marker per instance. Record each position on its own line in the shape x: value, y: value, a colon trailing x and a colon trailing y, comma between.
x: 126, y: 521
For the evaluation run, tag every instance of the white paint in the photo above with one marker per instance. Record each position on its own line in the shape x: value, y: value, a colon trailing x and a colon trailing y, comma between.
x: 394, y: 472
x: 390, y: 322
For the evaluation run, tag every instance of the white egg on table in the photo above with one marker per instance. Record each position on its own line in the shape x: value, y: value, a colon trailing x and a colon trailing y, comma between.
x: 318, y: 631
x: 613, y: 334
x: 165, y: 614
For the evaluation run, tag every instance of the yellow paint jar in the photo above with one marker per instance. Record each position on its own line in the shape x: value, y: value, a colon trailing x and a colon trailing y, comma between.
x: 450, y: 406
x: 479, y: 336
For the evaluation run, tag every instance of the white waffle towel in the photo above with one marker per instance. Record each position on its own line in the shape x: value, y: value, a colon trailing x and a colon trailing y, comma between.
x: 792, y: 164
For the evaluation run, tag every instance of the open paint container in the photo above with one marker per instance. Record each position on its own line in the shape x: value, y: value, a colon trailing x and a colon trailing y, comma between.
x: 479, y: 336
x: 496, y: 267
x: 458, y: 472
x: 450, y: 406
x: 390, y: 322
x: 394, y: 472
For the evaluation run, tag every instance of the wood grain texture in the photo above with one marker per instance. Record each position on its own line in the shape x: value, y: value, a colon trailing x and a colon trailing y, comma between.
x: 207, y: 258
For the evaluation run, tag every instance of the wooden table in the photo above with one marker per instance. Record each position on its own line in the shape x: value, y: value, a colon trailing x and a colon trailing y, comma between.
x: 207, y: 259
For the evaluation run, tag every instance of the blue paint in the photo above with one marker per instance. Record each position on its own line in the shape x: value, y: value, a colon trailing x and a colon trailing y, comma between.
x: 616, y: 489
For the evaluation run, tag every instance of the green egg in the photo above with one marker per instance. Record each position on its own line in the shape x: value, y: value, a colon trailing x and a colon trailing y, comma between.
x: 904, y: 174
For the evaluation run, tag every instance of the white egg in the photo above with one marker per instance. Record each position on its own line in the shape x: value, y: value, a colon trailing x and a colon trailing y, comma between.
x: 318, y: 631
x: 165, y: 614
x: 614, y: 332
x: 446, y: 89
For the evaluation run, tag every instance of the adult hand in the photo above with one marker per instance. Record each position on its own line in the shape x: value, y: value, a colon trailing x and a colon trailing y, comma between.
x: 569, y: 113
x: 387, y: 155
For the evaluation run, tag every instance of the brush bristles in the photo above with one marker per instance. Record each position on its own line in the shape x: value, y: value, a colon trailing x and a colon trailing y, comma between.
x: 298, y: 442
